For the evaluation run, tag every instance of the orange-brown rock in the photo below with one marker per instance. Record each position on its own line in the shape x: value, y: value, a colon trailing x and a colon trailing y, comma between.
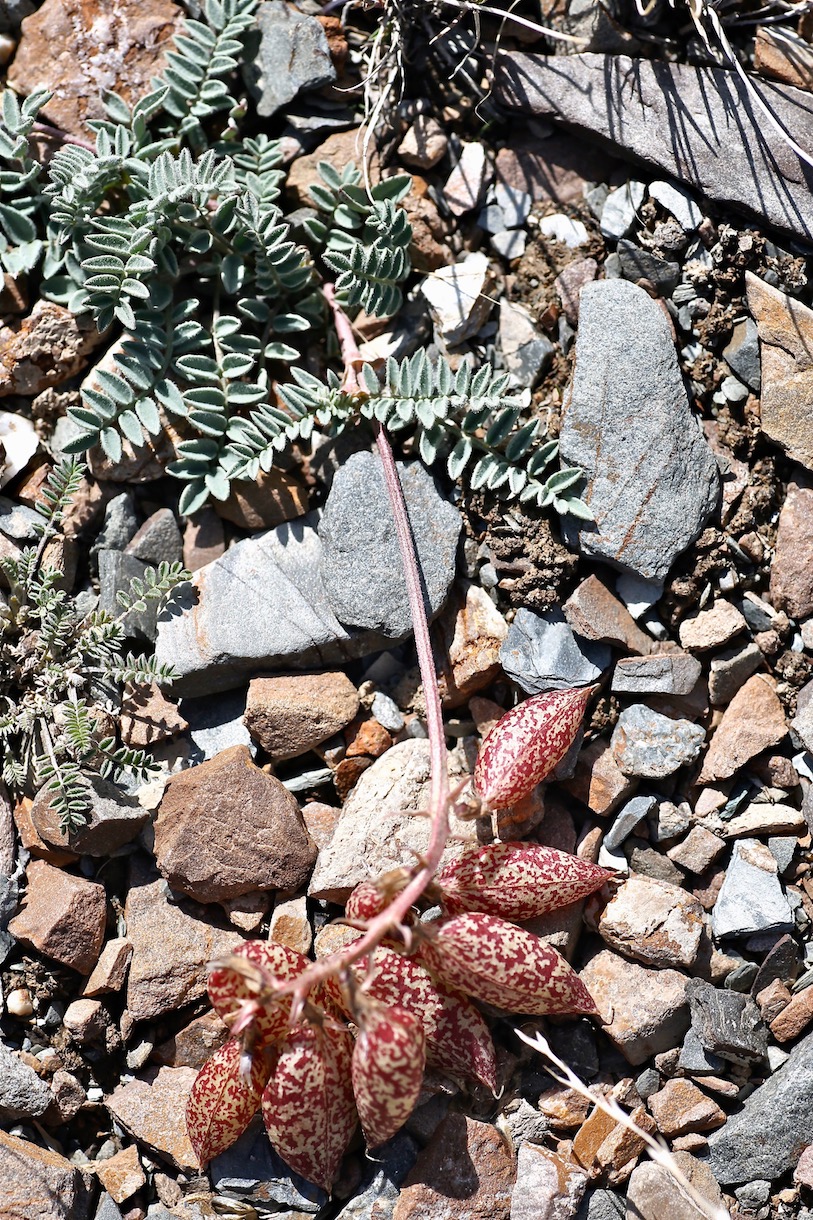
x: 268, y: 500
x: 680, y: 1107
x: 466, y: 1172
x: 47, y: 348
x: 147, y: 716
x: 37, y: 1182
x: 121, y: 1174
x: 62, y: 916
x: 472, y: 632
x: 753, y: 721
x: 291, y: 713
x: 149, y: 1108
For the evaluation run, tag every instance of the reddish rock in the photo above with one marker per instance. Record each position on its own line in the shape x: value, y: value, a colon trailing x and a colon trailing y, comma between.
x: 557, y: 168
x: 149, y: 1108
x: 711, y: 628
x: 370, y: 739
x: 606, y: 1148
x: 121, y: 1175
x: 785, y: 330
x: 32, y: 841
x: 698, y: 850
x: 225, y: 828
x: 772, y: 999
x: 320, y: 821
x: 86, y: 1021
x: 147, y: 716
x: 794, y: 1017
x: 594, y: 613
x: 268, y: 500
x: 78, y: 48
x: 290, y: 924
x: 680, y: 1107
x: 784, y: 56
x: 7, y: 835
x: 467, y: 1172
x: 599, y: 783
x: 569, y: 283
x: 792, y: 567
x: 110, y: 970
x: 62, y: 916
x: 646, y: 1009
x: 290, y: 714
x: 49, y: 346
x: 339, y: 150
x: 203, y: 539
x: 38, y: 1184
x: 753, y: 721
x: 469, y: 656
x: 193, y: 1044
x: 803, y: 1173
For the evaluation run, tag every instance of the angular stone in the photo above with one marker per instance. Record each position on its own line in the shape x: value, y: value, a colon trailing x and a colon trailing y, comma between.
x: 62, y: 916
x: 87, y: 1021
x: 569, y: 283
x: 293, y: 54
x: 594, y: 613
x: 556, y: 168
x: 465, y: 185
x: 472, y: 638
x: 22, y: 1093
x: 110, y: 970
x: 794, y: 1018
x: 541, y: 653
x: 742, y: 353
x: 698, y: 850
x: 251, y: 1172
x: 751, y: 898
x: 767, y: 1136
x: 711, y: 628
x: 465, y: 1173
x: 680, y: 1107
x: 648, y: 1009
x: 121, y: 1174
x: 679, y: 202
x: 526, y: 351
x: 192, y: 1045
x: 598, y: 782
x: 116, y: 572
x: 114, y: 818
x: 548, y: 1187
x: 753, y: 721
x: 765, y: 818
x: 730, y: 670
x: 784, y: 56
x: 457, y: 298
x: 172, y: 947
x: 360, y: 563
x: 726, y: 1023
x: 639, y: 264
x: 290, y: 714
x: 633, y: 812
x: 792, y: 567
x: 271, y: 498
x: 651, y: 479
x: 653, y: 1192
x: 663, y: 673
x: 39, y: 1184
x: 377, y: 829
x: 149, y: 1108
x: 620, y: 210
x: 147, y: 717
x: 225, y: 828
x: 424, y: 144
x: 644, y: 743
x: 203, y: 539
x: 46, y: 349
x: 158, y: 540
x: 653, y: 922
x: 632, y: 102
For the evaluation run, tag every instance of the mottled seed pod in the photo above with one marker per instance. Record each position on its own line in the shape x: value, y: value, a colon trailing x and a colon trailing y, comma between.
x: 517, y: 881
x: 388, y: 1064
x: 365, y: 902
x: 239, y: 994
x: 308, y: 1107
x: 525, y: 745
x: 224, y: 1099
x: 501, y: 964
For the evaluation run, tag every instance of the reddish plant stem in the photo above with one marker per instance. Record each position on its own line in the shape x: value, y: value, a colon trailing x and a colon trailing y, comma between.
x: 438, y: 810
x: 46, y: 129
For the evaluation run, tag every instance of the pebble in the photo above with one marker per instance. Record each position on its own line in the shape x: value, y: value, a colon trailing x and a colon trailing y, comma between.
x: 541, y: 653
x: 598, y: 782
x: 602, y: 1205
x: 549, y: 1186
x: 751, y: 898
x: 647, y: 744
x: 121, y: 1175
x: 742, y: 352
x: 765, y: 817
x: 625, y: 822
x: 620, y: 210
x: 22, y: 1094
x: 62, y: 916
x: 564, y: 229
x: 727, y: 1023
x: 677, y: 200
x: 792, y: 567
x: 527, y: 353
x: 424, y: 144
x: 216, y: 724
x: 680, y: 1107
x: 767, y: 1136
x: 269, y: 499
x: 803, y: 1173
x: 794, y: 1018
x: 289, y: 714
x: 225, y: 828
x: 293, y: 55
x: 698, y: 850
x: 466, y: 1172
x: 387, y: 712
x: 377, y: 829
x: 148, y: 1108
x: 47, y: 1185
x: 456, y: 297
x: 654, y: 1193
x: 47, y: 348
x: 569, y: 283
x: 116, y: 572
x: 466, y: 183
x: 158, y: 540
x: 19, y: 442
x: 653, y: 922
x: 647, y: 1008
x: 514, y: 204
x: 639, y: 264
x: 509, y: 244
x: 148, y: 717
x: 113, y: 819
x: 753, y: 721
x: 785, y: 330
x: 730, y: 670
x: 595, y: 614
x: 711, y: 628
x: 110, y: 970
x: 651, y: 479
x: 665, y: 673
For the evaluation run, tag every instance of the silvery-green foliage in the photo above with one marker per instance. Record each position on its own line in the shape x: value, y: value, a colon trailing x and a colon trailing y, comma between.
x: 53, y: 660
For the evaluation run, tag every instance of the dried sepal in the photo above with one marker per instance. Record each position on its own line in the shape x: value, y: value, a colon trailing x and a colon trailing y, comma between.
x: 388, y: 1065
x: 308, y: 1107
x: 239, y: 992
x: 224, y: 1098
x: 497, y: 962
x: 458, y: 1040
x: 526, y: 744
x: 517, y: 881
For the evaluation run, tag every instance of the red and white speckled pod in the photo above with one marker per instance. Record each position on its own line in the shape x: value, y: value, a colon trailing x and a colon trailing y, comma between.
x: 517, y: 881
x: 525, y: 745
x: 365, y: 902
x: 236, y: 988
x: 388, y: 1063
x: 223, y: 1100
x: 495, y: 961
x: 308, y: 1107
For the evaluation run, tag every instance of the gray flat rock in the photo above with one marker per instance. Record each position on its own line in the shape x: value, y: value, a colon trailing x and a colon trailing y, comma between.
x: 360, y: 564
x: 751, y: 897
x: 699, y: 125
x: 651, y: 480
x: 254, y: 1173
x: 22, y: 1093
x: 293, y: 54
x: 541, y: 653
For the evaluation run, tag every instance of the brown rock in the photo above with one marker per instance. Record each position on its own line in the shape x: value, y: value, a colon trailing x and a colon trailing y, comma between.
x: 772, y: 999
x: 753, y: 721
x: 369, y: 739
x: 466, y: 1173
x: 792, y: 568
x: 647, y: 1009
x: 424, y: 143
x: 31, y: 840
x: 62, y: 916
x: 340, y: 149
x: 258, y: 504
x: 110, y: 970
x: 654, y: 922
x: 290, y: 925
x: 193, y: 1044
x: 121, y: 1174
x: 347, y: 775
x: 147, y: 716
x: 711, y: 628
x: 78, y: 48
x: 782, y: 55
x: 69, y: 1097
x: 149, y: 1108
x: 290, y: 714
x: 594, y: 613
x: 569, y: 283
x: 320, y: 821
x: 654, y: 1193
x: 203, y: 539
x: 466, y: 183
x: 248, y: 910
x: 172, y: 947
x: 49, y: 346
x: 606, y: 1147
x: 680, y: 1107
x: 38, y: 1184
x: 225, y: 828
x: 557, y: 168
x: 86, y: 1021
x: 564, y: 1108
x: 794, y: 1017
x: 698, y: 850
x: 599, y: 783
x: 472, y: 635
x: 786, y: 349
x: 114, y: 818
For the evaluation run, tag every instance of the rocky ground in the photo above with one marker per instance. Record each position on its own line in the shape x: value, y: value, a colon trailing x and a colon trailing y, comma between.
x: 652, y: 293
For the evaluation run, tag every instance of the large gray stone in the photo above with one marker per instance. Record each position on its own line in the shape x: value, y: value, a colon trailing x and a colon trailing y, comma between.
x: 293, y: 54
x: 751, y: 897
x: 697, y: 124
x: 361, y: 565
x: 22, y: 1093
x: 542, y: 653
x: 767, y: 1136
x: 651, y: 480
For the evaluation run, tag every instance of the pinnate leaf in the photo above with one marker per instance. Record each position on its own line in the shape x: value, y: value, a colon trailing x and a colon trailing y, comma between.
x: 238, y: 988
x: 497, y: 962
x: 223, y: 1101
x: 517, y: 881
x: 388, y: 1063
